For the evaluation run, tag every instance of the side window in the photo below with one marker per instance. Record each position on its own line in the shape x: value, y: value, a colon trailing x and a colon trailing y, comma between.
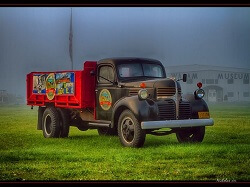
x: 107, y: 72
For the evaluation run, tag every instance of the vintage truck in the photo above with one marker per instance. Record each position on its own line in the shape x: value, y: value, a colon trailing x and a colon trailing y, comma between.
x: 128, y: 97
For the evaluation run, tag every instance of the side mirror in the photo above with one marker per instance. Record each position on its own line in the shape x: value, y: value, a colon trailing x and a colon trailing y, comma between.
x: 184, y: 78
x: 92, y: 73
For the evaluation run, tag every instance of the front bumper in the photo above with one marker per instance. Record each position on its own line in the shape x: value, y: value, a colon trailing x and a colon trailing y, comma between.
x: 176, y: 123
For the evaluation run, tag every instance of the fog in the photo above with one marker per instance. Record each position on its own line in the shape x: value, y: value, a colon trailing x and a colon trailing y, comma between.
x: 37, y: 39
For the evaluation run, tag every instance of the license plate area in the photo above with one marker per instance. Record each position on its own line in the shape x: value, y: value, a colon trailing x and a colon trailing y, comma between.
x: 203, y: 115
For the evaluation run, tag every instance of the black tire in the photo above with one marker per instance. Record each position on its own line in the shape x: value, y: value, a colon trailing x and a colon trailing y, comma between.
x: 129, y: 130
x: 50, y: 123
x: 191, y: 135
x: 64, y: 122
x: 102, y: 131
x: 40, y: 118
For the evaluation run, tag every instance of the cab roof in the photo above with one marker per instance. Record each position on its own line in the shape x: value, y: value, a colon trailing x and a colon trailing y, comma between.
x: 119, y: 60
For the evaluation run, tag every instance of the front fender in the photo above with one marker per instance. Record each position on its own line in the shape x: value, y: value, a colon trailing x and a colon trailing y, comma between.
x: 197, y: 105
x: 144, y: 110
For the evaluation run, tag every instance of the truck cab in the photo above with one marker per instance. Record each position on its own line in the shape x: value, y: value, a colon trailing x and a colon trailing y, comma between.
x: 128, y: 97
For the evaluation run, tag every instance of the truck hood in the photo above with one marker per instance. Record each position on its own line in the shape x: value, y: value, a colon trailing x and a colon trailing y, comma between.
x: 156, y: 83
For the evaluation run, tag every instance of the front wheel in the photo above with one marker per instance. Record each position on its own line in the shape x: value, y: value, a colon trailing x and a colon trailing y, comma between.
x: 129, y: 130
x: 103, y: 131
x: 193, y: 134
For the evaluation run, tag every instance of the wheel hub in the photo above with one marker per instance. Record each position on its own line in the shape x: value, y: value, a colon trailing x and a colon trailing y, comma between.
x: 128, y: 129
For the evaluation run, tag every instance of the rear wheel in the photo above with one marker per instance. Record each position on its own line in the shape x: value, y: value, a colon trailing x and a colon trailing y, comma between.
x: 129, y: 130
x: 64, y: 122
x: 40, y: 118
x: 50, y: 123
x: 194, y: 134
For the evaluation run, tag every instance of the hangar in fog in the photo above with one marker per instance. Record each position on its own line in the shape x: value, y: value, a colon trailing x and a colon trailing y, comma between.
x: 221, y: 84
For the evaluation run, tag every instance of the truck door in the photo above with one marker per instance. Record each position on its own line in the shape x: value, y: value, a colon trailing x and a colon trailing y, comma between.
x: 106, y: 91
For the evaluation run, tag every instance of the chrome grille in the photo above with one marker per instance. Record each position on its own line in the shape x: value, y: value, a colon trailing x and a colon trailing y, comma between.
x: 163, y: 93
x: 184, y: 110
x: 166, y: 110
x: 179, y: 91
x: 133, y: 92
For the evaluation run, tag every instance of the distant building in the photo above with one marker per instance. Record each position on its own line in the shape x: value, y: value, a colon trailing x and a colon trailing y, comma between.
x: 3, y: 96
x: 8, y: 98
x: 220, y: 83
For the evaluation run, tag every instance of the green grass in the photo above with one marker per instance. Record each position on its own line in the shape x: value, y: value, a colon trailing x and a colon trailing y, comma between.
x: 26, y: 155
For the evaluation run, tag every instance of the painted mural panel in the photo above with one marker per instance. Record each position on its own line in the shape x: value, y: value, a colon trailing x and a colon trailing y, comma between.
x: 39, y: 85
x: 65, y: 83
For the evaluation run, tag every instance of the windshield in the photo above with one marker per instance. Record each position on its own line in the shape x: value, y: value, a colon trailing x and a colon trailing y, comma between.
x: 140, y: 70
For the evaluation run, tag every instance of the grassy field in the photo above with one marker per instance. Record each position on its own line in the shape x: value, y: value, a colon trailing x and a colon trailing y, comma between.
x: 223, y: 155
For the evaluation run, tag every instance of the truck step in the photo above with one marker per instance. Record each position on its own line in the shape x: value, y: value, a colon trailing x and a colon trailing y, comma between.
x: 99, y: 124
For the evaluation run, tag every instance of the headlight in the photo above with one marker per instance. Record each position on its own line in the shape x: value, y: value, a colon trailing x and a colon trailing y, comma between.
x: 199, y: 93
x: 143, y: 94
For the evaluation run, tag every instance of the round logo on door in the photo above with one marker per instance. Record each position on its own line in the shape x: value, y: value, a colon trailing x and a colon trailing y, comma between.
x: 105, y: 99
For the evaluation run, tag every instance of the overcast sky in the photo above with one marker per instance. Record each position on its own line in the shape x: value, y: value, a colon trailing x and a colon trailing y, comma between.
x: 37, y: 39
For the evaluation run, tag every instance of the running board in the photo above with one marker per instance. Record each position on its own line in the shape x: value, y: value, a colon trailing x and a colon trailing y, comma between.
x: 92, y: 124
